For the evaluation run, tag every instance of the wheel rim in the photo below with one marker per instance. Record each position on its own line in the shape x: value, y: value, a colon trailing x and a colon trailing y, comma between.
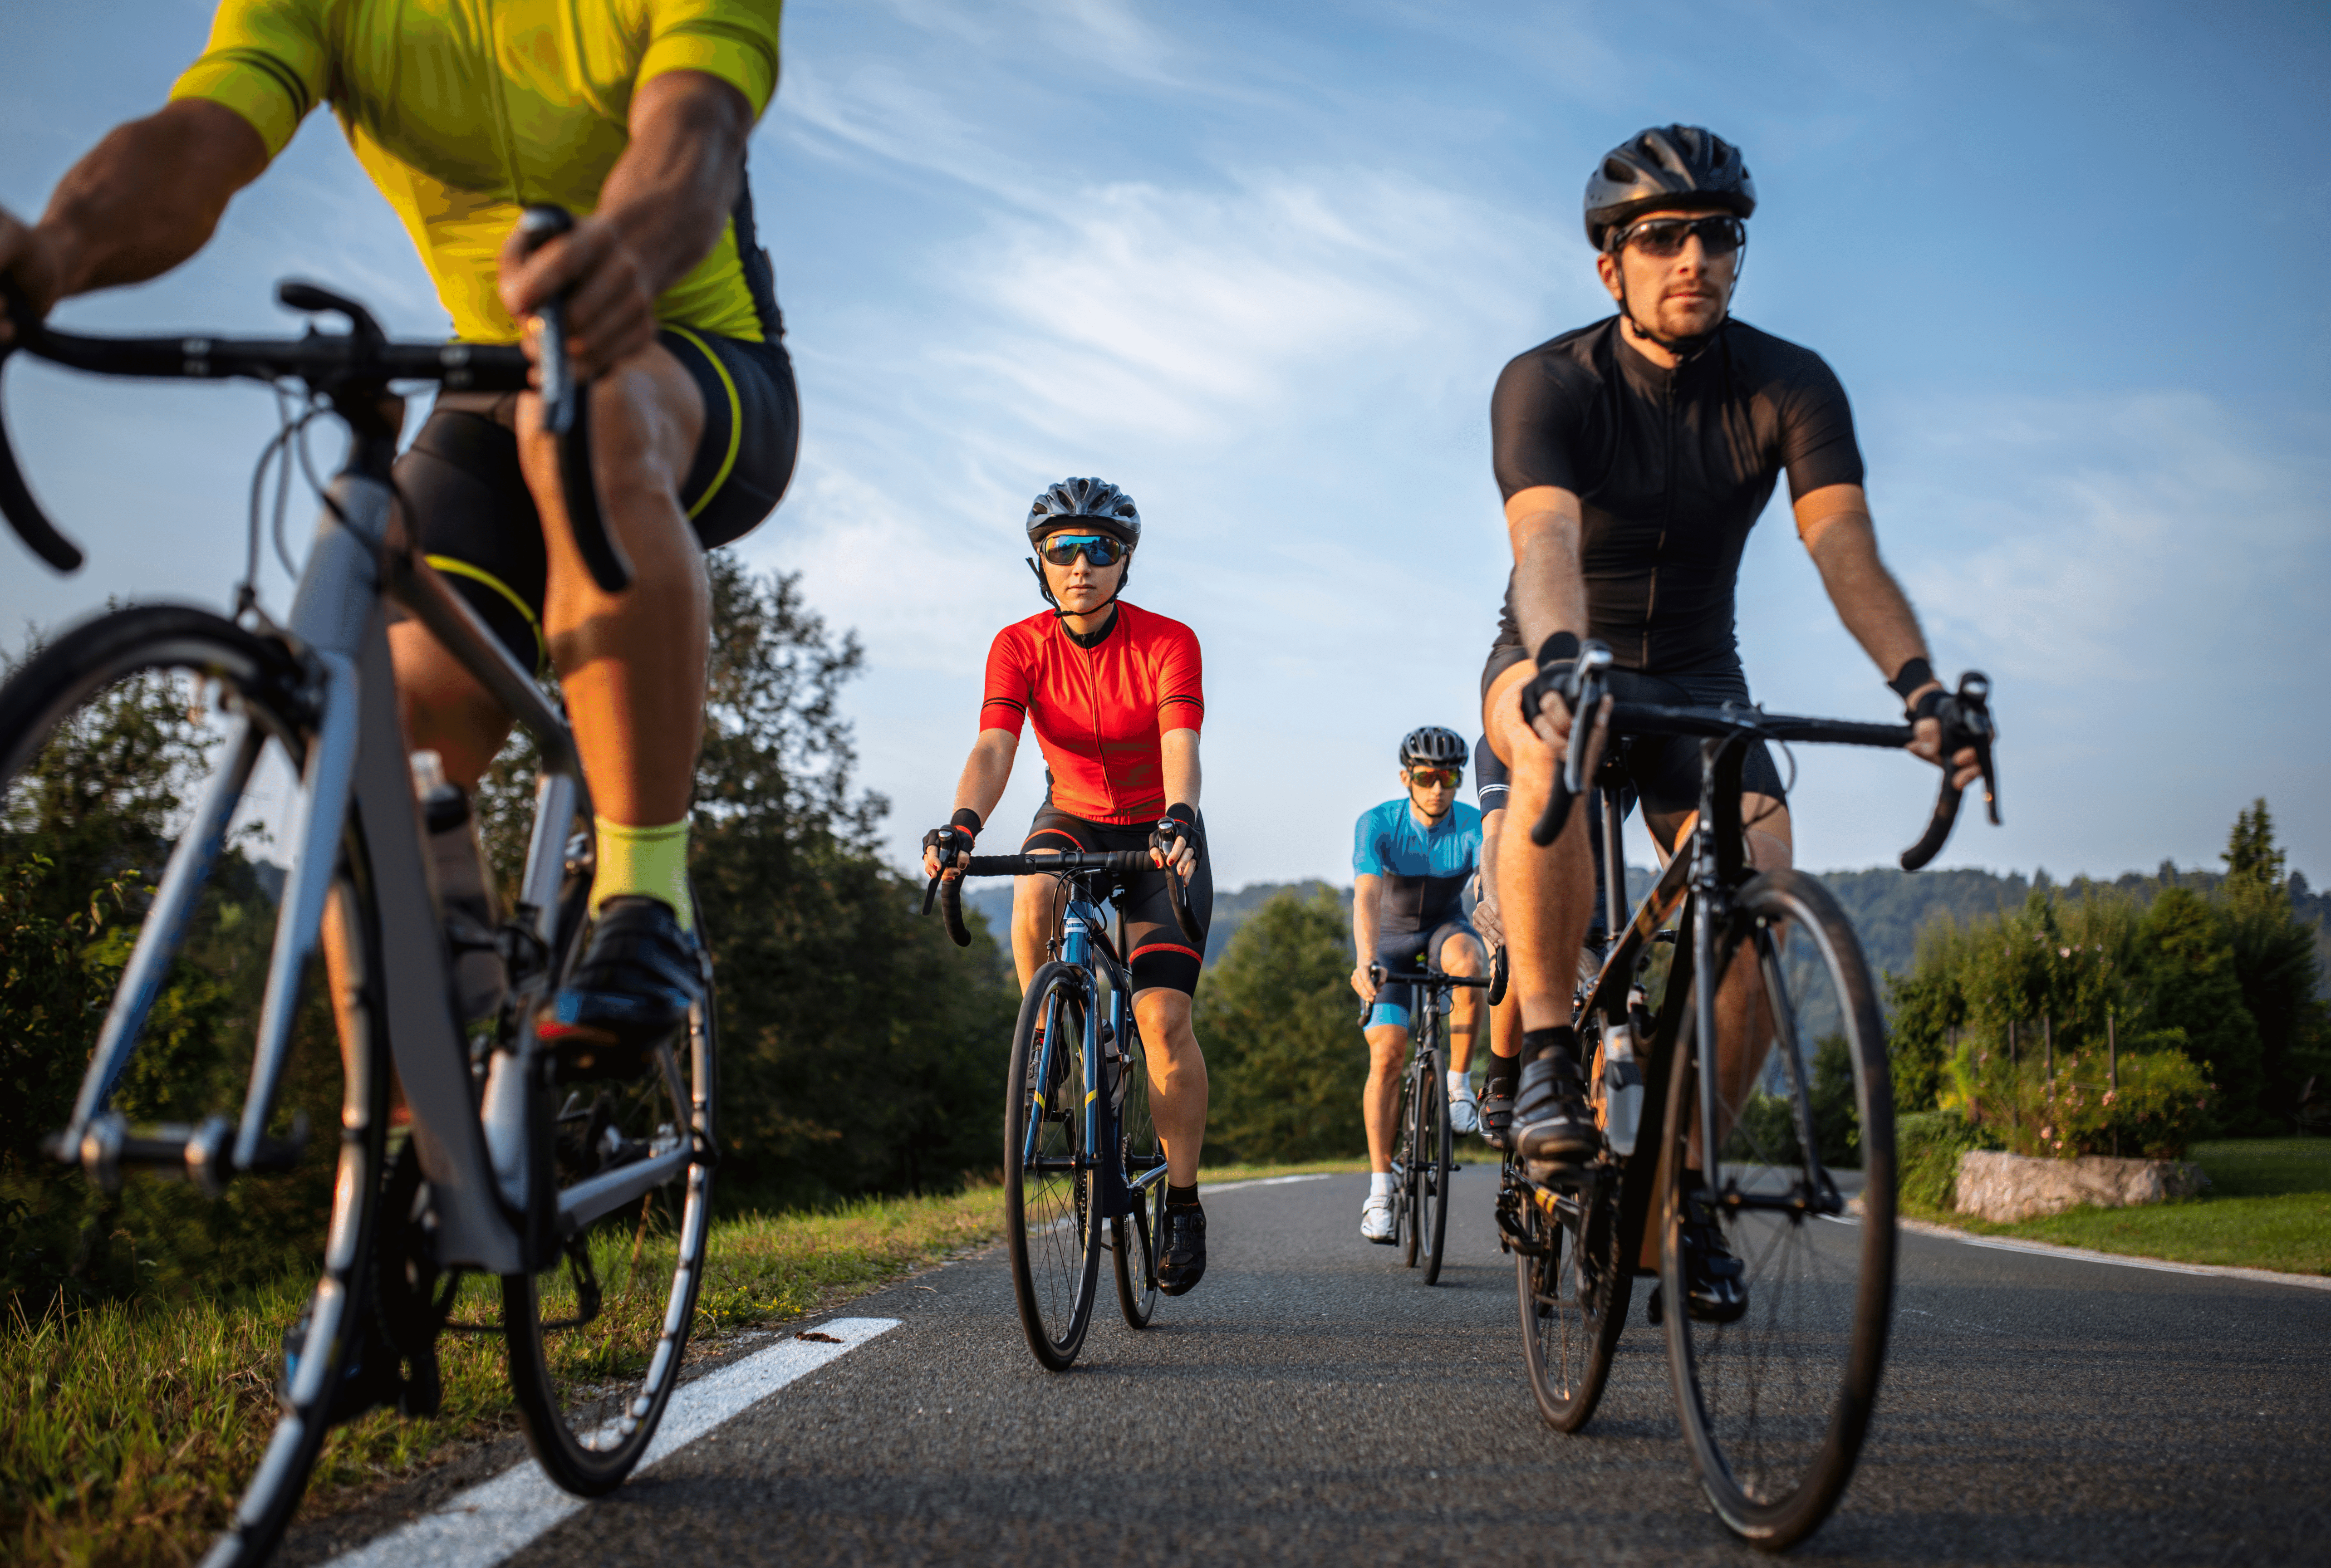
x: 1137, y: 1236
x: 1051, y: 1196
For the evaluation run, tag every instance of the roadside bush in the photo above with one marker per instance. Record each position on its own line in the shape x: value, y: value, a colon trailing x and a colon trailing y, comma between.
x: 1285, y: 1060
x: 1928, y: 1146
x: 2161, y: 1103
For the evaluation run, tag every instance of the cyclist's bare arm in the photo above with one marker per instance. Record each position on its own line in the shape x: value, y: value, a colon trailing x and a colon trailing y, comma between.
x: 661, y: 210
x: 1367, y: 888
x: 143, y: 200
x: 1549, y: 590
x: 1178, y: 771
x: 1834, y: 523
x: 985, y: 773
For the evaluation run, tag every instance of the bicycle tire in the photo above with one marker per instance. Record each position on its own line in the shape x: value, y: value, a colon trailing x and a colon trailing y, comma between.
x: 1406, y: 1229
x: 593, y: 1385
x: 325, y: 1381
x: 1572, y: 1309
x: 1432, y: 1189
x: 1136, y: 1239
x: 1050, y: 1233
x: 1775, y: 1406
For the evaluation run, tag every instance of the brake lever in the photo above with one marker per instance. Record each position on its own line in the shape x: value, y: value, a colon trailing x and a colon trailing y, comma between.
x: 1588, y: 685
x: 1969, y: 724
x: 945, y: 850
x: 567, y: 414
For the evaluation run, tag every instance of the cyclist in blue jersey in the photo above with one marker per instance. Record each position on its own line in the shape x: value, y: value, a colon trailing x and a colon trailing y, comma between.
x: 1411, y: 860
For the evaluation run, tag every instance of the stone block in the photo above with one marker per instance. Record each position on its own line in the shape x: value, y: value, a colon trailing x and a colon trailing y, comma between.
x: 2005, y: 1188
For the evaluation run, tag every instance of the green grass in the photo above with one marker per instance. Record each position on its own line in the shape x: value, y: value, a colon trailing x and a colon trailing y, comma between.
x: 130, y: 1424
x: 2267, y: 1206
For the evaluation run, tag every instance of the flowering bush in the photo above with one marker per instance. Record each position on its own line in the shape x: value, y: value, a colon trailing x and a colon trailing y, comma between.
x: 2160, y: 1104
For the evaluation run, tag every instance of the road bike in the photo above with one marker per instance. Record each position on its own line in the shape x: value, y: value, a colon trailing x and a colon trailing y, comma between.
x: 1084, y: 1170
x: 1424, y: 1155
x: 1775, y: 1399
x: 489, y: 1152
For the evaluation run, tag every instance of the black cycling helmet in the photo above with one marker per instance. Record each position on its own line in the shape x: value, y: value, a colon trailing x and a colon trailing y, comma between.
x: 1096, y: 501
x: 1434, y: 747
x: 1683, y: 166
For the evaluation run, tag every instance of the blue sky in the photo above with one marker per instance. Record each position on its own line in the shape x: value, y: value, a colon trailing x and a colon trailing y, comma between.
x: 1260, y: 265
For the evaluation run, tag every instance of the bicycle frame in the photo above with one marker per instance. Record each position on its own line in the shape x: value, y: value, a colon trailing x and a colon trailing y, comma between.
x: 1085, y: 944
x: 487, y: 1167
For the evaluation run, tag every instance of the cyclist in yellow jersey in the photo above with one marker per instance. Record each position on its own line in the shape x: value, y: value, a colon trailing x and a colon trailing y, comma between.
x: 633, y: 115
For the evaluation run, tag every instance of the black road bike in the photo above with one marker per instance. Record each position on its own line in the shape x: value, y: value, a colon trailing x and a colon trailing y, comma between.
x: 1423, y: 1154
x: 585, y: 1193
x: 1774, y: 1401
x: 1084, y: 1170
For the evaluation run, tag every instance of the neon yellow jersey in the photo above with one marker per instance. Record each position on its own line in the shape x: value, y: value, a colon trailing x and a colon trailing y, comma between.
x: 464, y: 112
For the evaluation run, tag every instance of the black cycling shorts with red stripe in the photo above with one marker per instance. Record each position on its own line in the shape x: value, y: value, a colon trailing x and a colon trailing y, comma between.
x: 1160, y: 954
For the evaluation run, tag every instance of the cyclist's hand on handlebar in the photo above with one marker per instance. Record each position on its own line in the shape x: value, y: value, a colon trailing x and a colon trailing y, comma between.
x: 1486, y: 920
x: 1362, y: 985
x: 28, y: 264
x: 1926, y: 735
x: 610, y: 304
x: 934, y: 840
x: 1181, y: 851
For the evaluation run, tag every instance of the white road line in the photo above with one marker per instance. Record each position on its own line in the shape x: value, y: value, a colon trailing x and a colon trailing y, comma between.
x: 2083, y: 1255
x: 492, y: 1521
x: 1266, y: 1182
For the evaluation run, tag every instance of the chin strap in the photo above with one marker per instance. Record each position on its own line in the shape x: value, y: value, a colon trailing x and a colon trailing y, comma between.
x: 1044, y: 586
x: 1685, y: 350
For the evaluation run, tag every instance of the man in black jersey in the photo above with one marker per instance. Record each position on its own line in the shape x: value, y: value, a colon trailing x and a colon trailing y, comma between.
x: 1634, y: 455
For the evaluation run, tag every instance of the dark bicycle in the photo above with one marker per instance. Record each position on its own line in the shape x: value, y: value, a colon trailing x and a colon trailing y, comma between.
x: 1424, y: 1154
x: 1084, y: 1171
x: 500, y: 1157
x: 1774, y: 1401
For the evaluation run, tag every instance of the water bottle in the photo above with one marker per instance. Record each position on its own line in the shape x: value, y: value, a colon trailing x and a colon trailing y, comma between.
x: 465, y: 890
x: 1622, y: 1088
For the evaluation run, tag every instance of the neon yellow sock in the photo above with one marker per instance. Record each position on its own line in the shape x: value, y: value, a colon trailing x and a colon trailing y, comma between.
x: 650, y: 861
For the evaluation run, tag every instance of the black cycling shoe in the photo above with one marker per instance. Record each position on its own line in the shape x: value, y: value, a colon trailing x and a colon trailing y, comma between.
x: 1715, y: 1289
x: 630, y: 994
x: 1181, y: 1260
x: 1553, y: 1125
x: 1496, y: 1115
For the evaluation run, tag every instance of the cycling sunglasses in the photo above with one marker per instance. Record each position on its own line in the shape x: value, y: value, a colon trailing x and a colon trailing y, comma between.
x: 1429, y: 776
x: 1100, y: 549
x: 1664, y: 238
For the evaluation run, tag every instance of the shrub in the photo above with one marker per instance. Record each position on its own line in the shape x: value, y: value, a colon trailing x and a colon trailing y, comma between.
x: 2160, y: 1104
x: 1928, y: 1146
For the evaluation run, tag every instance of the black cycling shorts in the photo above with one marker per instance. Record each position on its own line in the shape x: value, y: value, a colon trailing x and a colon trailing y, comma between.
x: 1411, y: 953
x: 1663, y: 770
x: 1155, y: 949
x: 467, y: 501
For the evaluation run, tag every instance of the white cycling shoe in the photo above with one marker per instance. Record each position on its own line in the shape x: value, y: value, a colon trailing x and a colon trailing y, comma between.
x: 1464, y: 1112
x: 1375, y: 1218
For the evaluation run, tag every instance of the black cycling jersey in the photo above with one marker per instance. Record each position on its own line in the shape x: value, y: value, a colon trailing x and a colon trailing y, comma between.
x: 1492, y: 780
x: 1671, y: 469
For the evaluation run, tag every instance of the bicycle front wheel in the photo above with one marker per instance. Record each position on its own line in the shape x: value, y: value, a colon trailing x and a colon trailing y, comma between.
x: 596, y: 1340
x: 1573, y: 1300
x: 1048, y: 1210
x: 1405, y: 1154
x: 129, y: 743
x: 1136, y: 1238
x: 1434, y: 1141
x: 1775, y: 1402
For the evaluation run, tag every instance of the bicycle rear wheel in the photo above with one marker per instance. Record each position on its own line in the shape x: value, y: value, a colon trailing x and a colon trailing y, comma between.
x: 1434, y: 1139
x: 1049, y: 1228
x: 1774, y: 1405
x: 1572, y: 1296
x: 142, y: 725
x: 1136, y: 1238
x: 596, y: 1340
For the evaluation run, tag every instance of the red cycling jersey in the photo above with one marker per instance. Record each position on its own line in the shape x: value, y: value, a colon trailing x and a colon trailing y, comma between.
x: 1099, y: 711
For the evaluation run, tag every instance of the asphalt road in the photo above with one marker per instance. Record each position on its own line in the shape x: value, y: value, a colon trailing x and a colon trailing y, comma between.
x: 1313, y: 1403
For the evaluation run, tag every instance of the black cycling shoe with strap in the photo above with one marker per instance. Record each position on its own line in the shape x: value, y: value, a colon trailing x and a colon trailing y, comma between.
x: 1181, y: 1260
x: 1716, y: 1288
x: 630, y: 994
x: 1553, y: 1125
x: 1497, y: 1113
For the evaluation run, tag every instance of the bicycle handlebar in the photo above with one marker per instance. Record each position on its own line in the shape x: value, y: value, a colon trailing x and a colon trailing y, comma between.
x: 1378, y: 978
x: 342, y: 366
x: 948, y: 890
x: 1965, y: 718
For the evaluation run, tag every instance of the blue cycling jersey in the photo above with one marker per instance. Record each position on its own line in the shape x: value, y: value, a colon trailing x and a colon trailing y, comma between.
x: 1424, y: 871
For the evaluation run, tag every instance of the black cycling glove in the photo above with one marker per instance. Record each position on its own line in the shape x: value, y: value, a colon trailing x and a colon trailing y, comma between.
x: 1557, y: 667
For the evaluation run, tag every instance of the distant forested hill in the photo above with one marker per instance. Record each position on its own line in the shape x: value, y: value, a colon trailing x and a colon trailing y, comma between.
x: 1888, y: 906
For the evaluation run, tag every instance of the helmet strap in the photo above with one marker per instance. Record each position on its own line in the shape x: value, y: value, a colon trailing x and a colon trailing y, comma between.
x: 1044, y: 586
x: 1685, y: 350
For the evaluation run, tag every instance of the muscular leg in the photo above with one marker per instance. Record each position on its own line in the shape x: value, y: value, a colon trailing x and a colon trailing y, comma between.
x: 1037, y: 903
x: 1462, y: 955
x: 1380, y: 1101
x: 632, y: 665
x: 1177, y: 1079
x: 1547, y: 895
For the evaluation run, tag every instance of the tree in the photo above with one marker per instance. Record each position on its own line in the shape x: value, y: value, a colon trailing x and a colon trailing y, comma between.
x: 2276, y: 963
x: 1285, y: 1060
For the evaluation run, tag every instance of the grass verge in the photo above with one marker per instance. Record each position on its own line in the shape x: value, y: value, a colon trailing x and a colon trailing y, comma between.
x: 2267, y: 1206
x: 138, y: 1420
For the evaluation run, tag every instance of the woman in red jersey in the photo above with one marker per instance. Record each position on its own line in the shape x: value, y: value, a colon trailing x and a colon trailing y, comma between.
x: 1114, y: 695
